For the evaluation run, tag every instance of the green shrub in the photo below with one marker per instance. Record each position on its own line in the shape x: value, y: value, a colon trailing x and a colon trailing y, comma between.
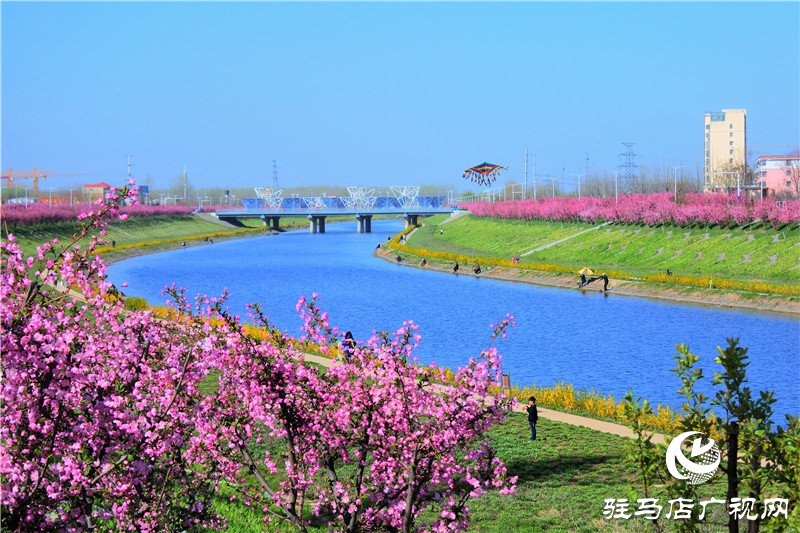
x: 135, y: 303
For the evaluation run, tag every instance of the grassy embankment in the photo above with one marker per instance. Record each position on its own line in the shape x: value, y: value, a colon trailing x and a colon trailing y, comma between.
x: 753, y: 261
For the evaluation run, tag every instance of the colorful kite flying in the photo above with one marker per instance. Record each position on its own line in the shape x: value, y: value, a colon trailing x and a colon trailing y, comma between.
x: 483, y: 174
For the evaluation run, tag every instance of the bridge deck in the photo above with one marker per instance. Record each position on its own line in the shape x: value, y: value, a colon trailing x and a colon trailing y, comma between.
x: 332, y: 212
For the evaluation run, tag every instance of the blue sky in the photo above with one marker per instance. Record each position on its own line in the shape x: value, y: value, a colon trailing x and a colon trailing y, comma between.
x: 378, y: 94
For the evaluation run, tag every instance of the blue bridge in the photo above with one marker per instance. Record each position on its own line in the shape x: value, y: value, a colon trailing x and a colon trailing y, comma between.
x: 270, y: 208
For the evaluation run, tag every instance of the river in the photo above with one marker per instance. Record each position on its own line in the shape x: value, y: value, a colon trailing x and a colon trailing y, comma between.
x: 608, y: 343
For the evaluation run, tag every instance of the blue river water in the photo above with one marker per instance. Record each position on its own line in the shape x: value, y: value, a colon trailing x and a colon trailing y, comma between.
x: 609, y: 343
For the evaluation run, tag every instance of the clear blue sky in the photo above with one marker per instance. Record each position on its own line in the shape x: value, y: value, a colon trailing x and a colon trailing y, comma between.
x: 378, y: 94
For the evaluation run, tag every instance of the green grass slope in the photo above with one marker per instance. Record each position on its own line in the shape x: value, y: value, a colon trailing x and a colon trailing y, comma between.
x: 563, y: 479
x: 742, y: 254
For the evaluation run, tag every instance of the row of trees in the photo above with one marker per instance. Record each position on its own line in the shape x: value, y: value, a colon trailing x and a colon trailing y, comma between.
x: 36, y: 214
x: 118, y: 419
x: 650, y: 209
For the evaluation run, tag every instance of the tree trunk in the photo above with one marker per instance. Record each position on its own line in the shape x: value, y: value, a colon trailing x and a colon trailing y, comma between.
x: 733, y: 474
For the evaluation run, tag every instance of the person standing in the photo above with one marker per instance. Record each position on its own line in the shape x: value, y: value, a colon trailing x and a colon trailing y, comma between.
x: 533, y: 416
x: 348, y: 346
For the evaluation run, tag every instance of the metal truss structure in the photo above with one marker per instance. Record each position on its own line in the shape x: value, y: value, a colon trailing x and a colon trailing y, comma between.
x: 271, y: 197
x: 406, y: 196
x: 360, y: 198
x: 314, y: 202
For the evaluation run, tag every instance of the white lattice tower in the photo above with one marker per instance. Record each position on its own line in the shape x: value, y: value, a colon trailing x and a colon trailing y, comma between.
x: 360, y: 198
x: 271, y: 197
x: 406, y: 196
x: 313, y: 202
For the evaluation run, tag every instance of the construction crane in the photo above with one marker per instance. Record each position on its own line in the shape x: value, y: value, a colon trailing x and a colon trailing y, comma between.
x: 35, y: 174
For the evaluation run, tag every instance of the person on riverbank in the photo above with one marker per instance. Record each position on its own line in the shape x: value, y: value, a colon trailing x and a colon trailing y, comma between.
x: 603, y: 277
x: 423, y: 263
x: 477, y: 269
x: 583, y: 281
x: 533, y: 416
x: 455, y: 268
x: 348, y: 346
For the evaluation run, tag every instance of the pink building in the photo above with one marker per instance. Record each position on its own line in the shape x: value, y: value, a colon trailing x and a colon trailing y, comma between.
x: 778, y: 174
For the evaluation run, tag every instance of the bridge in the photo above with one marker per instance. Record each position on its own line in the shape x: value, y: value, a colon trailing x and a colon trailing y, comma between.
x: 361, y: 204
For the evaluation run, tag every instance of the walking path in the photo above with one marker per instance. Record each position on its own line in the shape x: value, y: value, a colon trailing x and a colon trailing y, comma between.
x: 548, y: 245
x: 575, y: 420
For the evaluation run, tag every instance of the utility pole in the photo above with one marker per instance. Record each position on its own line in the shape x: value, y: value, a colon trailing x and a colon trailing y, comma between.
x: 554, y: 185
x: 675, y: 170
x: 525, y: 183
x: 616, y: 188
x: 534, y: 177
x: 579, y: 176
x: 129, y: 169
x: 274, y: 174
x: 184, y: 184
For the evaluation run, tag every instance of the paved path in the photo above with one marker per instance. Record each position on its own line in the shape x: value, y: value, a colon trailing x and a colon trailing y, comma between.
x: 575, y: 420
x: 548, y: 245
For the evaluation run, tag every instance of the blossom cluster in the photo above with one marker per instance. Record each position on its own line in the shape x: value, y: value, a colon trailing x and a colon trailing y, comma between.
x: 649, y: 209
x: 35, y: 214
x: 103, y: 423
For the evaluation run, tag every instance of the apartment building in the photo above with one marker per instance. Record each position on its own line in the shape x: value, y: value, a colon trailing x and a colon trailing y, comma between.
x: 725, y: 149
x: 778, y: 174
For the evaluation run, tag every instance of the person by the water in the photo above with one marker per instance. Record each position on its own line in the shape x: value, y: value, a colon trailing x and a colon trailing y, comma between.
x: 455, y: 268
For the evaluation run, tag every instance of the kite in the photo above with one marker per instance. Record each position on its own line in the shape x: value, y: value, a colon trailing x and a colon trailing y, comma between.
x: 483, y: 174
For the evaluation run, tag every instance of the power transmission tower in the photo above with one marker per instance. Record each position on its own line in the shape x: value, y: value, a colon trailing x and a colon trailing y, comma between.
x: 628, y: 166
x: 274, y: 174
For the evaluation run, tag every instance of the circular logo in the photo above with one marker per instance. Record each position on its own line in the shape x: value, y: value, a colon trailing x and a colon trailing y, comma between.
x: 702, y: 463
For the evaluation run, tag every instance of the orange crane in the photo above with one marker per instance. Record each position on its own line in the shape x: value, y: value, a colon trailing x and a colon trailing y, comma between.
x: 35, y: 174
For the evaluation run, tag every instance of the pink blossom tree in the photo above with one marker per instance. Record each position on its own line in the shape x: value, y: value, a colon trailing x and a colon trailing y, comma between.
x: 371, y: 444
x: 97, y: 404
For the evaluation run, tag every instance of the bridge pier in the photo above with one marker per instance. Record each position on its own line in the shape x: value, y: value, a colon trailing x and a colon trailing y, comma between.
x: 271, y: 222
x: 317, y: 223
x: 364, y: 223
x: 410, y: 220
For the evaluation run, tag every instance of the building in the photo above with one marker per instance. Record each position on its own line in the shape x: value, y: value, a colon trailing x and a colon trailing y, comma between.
x: 725, y: 149
x: 94, y: 191
x: 778, y: 174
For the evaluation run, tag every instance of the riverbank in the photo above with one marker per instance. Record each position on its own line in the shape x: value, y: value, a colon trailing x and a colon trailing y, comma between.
x: 708, y: 297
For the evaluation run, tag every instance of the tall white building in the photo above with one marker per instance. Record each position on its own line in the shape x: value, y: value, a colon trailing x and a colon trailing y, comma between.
x: 725, y: 148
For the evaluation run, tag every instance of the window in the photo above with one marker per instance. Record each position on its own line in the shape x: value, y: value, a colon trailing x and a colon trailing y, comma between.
x: 731, y: 143
x: 730, y: 126
x: 763, y: 173
x: 731, y: 134
x: 788, y: 172
x: 788, y: 183
x: 731, y: 153
x: 731, y: 160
